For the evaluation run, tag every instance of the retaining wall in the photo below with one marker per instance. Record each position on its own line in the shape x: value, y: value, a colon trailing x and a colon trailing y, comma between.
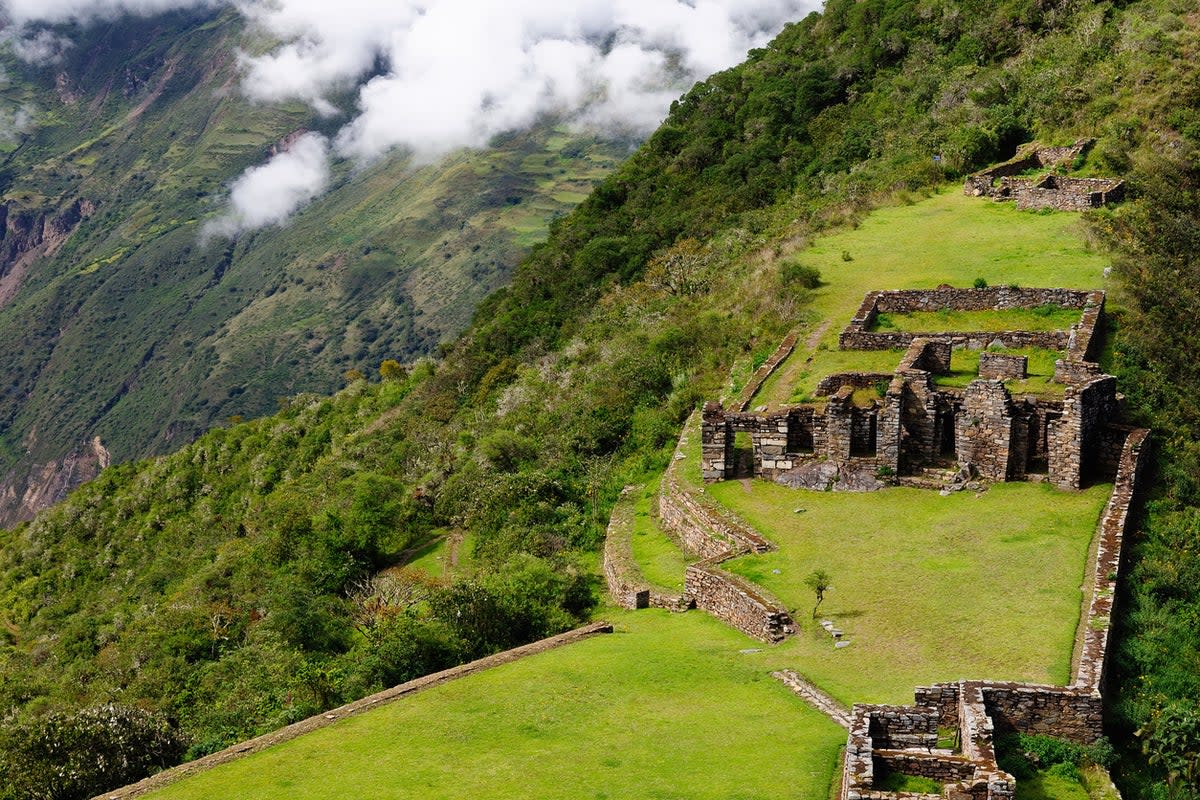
x: 626, y: 584
x: 737, y: 602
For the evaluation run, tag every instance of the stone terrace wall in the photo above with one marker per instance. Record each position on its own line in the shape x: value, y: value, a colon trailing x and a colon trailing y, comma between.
x: 1091, y: 669
x: 737, y: 602
x: 626, y: 584
x: 701, y: 529
x: 1077, y: 341
x: 765, y: 370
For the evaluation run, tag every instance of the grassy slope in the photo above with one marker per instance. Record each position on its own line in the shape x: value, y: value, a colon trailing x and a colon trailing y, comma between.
x: 667, y: 707
x: 948, y: 238
x: 927, y: 588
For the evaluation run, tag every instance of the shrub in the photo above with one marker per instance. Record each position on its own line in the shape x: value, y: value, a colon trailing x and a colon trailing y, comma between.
x: 980, y: 283
x: 84, y: 753
x: 793, y: 273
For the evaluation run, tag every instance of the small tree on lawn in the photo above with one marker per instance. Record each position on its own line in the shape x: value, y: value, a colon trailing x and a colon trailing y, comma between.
x: 819, y: 581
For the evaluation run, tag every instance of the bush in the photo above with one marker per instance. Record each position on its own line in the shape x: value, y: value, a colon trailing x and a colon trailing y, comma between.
x: 83, y: 753
x: 980, y: 283
x: 795, y: 274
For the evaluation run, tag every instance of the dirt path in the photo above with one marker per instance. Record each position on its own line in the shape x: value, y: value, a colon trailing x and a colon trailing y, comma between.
x: 786, y: 376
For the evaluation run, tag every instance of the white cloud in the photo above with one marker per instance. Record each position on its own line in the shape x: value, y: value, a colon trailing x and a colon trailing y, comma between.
x: 42, y: 47
x: 270, y: 193
x: 22, y: 12
x: 447, y: 74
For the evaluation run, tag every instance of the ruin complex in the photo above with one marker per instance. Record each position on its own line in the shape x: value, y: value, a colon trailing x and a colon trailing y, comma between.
x: 1010, y: 181
x: 914, y: 430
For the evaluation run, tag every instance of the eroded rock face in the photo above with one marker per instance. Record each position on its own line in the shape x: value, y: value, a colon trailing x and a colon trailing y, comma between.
x: 24, y: 495
x: 29, y: 234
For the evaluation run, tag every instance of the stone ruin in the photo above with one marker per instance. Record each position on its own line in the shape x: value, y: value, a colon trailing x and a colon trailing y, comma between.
x: 1048, y: 190
x: 909, y: 739
x: 914, y: 430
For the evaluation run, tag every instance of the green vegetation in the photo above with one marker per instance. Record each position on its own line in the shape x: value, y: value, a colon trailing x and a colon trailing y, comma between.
x: 926, y: 588
x: 964, y: 368
x: 639, y: 713
x: 660, y: 559
x: 139, y: 331
x: 1043, y: 318
x: 1158, y: 635
x: 1052, y: 769
x: 899, y: 782
x: 212, y: 586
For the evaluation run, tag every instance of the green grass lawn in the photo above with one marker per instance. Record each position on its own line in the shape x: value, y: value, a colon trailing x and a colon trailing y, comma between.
x: 666, y: 707
x: 1043, y: 318
x: 964, y: 368
x: 947, y: 238
x: 661, y: 561
x: 927, y: 588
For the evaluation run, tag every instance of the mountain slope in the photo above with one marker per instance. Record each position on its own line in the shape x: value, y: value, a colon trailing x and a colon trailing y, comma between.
x: 241, y: 555
x: 119, y: 320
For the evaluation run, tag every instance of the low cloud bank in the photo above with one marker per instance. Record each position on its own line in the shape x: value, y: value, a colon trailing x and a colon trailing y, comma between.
x: 438, y: 75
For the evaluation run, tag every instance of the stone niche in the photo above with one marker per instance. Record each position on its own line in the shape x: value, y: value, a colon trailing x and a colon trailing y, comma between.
x: 1003, y: 367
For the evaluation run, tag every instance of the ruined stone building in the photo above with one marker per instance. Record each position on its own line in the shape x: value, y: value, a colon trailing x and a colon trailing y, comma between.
x: 1045, y: 190
x: 914, y: 428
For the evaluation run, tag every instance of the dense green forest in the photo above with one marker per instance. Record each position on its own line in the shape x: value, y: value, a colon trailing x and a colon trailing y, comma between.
x: 235, y: 585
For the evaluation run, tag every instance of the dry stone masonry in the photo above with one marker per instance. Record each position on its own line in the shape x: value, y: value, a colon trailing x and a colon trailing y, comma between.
x: 914, y: 425
x: 1047, y: 190
x: 904, y: 738
x: 715, y: 536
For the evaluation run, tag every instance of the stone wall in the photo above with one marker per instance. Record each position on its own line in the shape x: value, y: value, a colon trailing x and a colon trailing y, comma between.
x: 1028, y: 157
x: 929, y: 355
x: 737, y: 602
x: 897, y: 727
x: 855, y: 380
x: 992, y: 298
x: 943, y: 769
x: 1091, y: 667
x: 1073, y: 439
x: 1063, y: 194
x: 858, y: 334
x: 765, y: 370
x: 972, y: 340
x: 1003, y: 367
x: 984, y: 433
x: 1062, y: 712
x: 628, y: 587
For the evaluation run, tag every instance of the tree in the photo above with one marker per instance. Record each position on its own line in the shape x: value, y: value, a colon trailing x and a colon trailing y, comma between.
x: 681, y: 269
x: 79, y: 754
x: 1171, y: 740
x: 819, y: 581
x: 392, y: 370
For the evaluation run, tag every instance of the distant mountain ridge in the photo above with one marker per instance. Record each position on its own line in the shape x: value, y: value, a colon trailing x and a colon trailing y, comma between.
x: 118, y: 321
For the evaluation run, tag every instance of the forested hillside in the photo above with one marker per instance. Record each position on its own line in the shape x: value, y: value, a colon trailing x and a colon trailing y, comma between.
x: 227, y: 589
x: 120, y: 318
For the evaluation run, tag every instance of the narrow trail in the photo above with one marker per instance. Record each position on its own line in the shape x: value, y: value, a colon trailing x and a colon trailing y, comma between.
x: 810, y: 694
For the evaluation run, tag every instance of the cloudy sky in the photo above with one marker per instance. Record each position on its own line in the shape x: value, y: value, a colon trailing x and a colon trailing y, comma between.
x: 457, y: 72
